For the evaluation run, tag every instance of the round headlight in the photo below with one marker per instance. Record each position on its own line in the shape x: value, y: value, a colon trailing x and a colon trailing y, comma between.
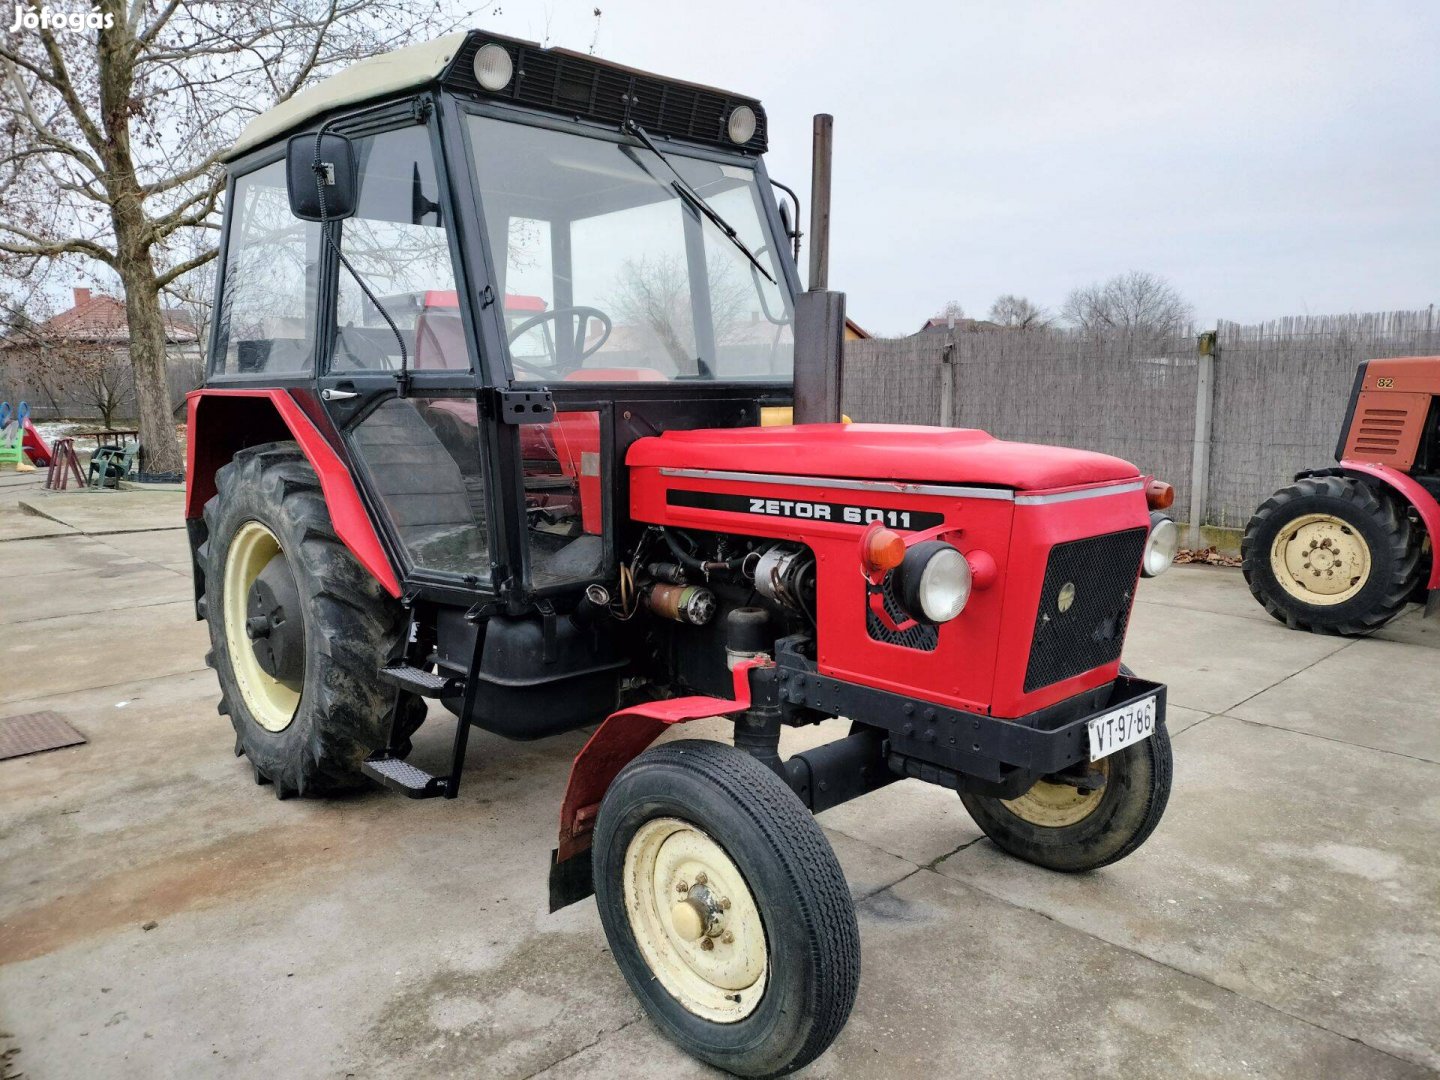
x: 934, y: 582
x: 1160, y: 546
x: 741, y: 126
x: 493, y: 67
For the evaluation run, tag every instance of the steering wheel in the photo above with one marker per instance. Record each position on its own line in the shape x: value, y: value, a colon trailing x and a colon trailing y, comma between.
x: 585, y: 314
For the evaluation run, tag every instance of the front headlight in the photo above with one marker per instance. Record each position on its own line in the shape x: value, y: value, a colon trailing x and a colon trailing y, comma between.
x: 1160, y: 546
x: 934, y: 582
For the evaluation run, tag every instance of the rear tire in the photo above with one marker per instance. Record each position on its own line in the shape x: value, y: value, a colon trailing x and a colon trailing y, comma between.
x: 1332, y: 555
x: 1053, y: 826
x: 311, y: 744
x: 689, y: 807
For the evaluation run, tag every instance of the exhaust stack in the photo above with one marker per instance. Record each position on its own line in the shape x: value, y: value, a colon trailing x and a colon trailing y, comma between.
x: 819, y: 313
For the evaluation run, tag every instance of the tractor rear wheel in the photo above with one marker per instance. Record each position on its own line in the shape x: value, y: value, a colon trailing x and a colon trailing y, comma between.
x: 725, y: 908
x: 1332, y: 555
x: 298, y: 629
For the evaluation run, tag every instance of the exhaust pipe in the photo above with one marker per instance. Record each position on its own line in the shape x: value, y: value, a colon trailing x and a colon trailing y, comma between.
x: 819, y: 313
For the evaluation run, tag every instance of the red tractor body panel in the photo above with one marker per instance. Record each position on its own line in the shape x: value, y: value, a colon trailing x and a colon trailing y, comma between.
x: 1411, y: 491
x: 224, y: 421
x: 926, y: 455
x: 1389, y: 409
x: 736, y: 482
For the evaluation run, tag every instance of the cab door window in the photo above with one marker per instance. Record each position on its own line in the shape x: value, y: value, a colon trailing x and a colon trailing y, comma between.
x: 423, y: 456
x: 266, y: 321
x: 397, y: 243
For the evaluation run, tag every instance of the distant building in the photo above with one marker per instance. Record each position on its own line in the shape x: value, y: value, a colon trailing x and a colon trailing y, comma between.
x: 98, y: 320
x: 940, y: 324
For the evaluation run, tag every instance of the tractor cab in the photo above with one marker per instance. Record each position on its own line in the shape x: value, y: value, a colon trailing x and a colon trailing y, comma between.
x: 507, y: 275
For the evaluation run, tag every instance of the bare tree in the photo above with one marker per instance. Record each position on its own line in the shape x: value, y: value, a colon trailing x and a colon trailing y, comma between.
x: 1018, y: 312
x: 1137, y: 303
x: 951, y: 312
x: 106, y: 383
x: 652, y: 298
x: 110, y: 138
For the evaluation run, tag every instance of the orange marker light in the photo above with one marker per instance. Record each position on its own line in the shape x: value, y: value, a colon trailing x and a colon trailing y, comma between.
x: 882, y: 549
x: 1159, y: 495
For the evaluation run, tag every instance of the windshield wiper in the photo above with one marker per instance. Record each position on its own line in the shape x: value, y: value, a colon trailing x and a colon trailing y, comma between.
x: 696, y: 201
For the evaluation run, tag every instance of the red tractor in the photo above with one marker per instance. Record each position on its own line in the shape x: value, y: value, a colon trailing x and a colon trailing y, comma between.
x: 506, y: 347
x: 1344, y: 550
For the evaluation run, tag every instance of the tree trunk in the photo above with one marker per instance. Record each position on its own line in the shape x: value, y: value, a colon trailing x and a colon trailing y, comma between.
x: 147, y: 358
x: 133, y: 238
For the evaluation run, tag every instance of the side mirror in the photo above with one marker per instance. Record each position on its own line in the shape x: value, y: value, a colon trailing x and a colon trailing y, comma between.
x: 785, y: 222
x: 334, y: 182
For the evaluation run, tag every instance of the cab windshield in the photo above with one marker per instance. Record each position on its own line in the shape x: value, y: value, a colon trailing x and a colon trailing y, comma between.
x: 607, y: 273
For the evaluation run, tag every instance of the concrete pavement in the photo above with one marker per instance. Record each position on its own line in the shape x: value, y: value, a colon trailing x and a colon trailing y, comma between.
x: 1283, y: 921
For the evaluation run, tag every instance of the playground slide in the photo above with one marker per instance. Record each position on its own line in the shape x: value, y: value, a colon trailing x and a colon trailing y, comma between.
x: 18, y: 429
x: 35, y: 447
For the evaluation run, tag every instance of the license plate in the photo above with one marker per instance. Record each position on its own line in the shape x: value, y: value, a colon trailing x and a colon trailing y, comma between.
x: 1122, y: 727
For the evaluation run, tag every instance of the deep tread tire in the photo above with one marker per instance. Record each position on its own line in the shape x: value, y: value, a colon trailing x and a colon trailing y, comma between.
x: 352, y: 627
x: 1136, y: 793
x: 792, y: 872
x: 1395, y: 554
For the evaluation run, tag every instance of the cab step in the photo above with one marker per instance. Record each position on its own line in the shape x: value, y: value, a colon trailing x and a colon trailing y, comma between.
x: 414, y: 680
x: 401, y: 776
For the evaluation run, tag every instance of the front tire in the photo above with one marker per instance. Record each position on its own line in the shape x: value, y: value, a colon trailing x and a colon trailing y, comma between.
x: 1331, y: 555
x: 725, y: 908
x: 1055, y: 826
x: 303, y: 697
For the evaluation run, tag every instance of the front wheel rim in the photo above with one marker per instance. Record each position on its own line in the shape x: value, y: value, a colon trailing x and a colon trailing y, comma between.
x: 270, y: 702
x: 1054, y: 806
x: 1321, y: 560
x: 695, y: 921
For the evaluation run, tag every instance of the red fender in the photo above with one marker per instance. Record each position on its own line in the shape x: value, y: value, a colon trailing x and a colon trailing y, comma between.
x: 1423, y: 502
x: 223, y: 421
x: 619, y: 739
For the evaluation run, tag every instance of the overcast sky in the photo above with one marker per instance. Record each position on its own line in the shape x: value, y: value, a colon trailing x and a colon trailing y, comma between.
x: 1268, y: 158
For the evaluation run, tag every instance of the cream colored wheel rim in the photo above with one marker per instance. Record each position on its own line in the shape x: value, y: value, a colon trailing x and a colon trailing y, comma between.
x: 1319, y: 559
x: 1054, y: 806
x: 694, y: 920
x: 269, y: 701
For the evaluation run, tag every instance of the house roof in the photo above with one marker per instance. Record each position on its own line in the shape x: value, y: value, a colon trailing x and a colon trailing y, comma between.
x: 940, y: 324
x: 95, y: 319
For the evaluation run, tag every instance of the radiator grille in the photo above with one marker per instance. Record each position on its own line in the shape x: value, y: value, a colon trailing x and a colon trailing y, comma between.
x: 1097, y: 577
x: 1380, y: 430
x: 921, y: 637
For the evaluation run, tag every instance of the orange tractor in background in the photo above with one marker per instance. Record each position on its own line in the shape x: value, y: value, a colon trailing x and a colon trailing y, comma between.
x: 1344, y: 549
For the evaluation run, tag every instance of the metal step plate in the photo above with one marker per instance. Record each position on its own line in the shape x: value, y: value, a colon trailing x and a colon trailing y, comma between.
x: 425, y: 683
x: 403, y: 777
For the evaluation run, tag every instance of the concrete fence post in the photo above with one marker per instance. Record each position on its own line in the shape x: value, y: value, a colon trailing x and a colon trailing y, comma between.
x: 1208, y: 348
x: 947, y: 383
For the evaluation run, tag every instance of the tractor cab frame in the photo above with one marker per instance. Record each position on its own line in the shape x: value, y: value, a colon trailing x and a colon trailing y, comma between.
x: 477, y: 206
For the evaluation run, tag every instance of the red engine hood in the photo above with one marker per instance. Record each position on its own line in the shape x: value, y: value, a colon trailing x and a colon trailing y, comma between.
x: 881, y: 452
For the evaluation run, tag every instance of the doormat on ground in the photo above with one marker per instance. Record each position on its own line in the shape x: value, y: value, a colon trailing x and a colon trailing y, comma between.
x: 34, y: 732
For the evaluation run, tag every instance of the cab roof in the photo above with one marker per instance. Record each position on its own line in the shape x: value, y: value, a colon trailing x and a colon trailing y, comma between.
x: 556, y: 80
x: 379, y: 76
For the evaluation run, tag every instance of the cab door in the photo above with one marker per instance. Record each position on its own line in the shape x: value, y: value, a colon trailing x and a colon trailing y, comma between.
x: 398, y: 369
